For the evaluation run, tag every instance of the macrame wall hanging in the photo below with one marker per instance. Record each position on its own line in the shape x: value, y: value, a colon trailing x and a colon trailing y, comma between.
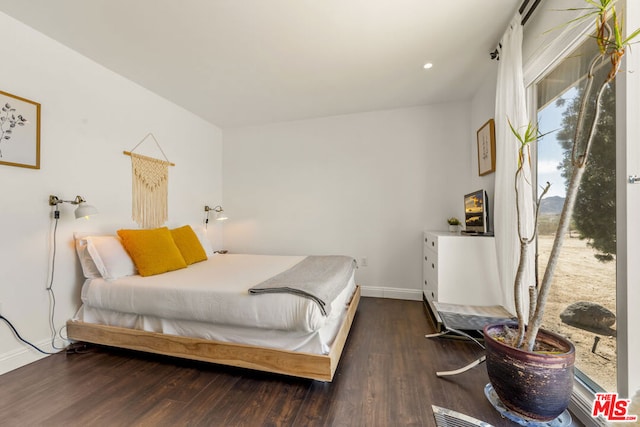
x: 150, y: 187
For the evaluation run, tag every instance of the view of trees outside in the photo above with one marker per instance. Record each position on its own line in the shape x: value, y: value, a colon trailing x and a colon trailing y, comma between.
x: 595, y: 212
x: 587, y: 264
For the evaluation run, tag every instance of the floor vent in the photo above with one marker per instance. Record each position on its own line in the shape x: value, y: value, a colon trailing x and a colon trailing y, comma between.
x: 448, y: 418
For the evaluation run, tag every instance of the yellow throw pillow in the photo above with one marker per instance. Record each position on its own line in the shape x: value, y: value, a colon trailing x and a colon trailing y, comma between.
x: 188, y: 244
x: 152, y: 251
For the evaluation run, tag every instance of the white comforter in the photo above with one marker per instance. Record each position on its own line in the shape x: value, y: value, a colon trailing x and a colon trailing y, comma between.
x: 214, y: 291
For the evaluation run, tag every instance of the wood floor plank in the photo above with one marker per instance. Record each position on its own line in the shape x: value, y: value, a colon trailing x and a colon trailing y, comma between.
x: 131, y: 392
x: 161, y: 415
x: 386, y: 377
x: 198, y: 410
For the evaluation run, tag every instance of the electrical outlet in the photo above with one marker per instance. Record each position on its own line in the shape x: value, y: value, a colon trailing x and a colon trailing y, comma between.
x: 364, y: 262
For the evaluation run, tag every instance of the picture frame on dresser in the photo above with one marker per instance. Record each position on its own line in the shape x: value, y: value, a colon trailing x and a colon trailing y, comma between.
x: 486, y: 136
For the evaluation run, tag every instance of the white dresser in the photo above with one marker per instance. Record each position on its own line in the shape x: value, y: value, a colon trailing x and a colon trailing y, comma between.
x: 460, y: 269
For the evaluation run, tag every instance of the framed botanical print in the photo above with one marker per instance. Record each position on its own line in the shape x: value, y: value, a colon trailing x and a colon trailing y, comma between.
x: 487, y: 148
x: 19, y: 131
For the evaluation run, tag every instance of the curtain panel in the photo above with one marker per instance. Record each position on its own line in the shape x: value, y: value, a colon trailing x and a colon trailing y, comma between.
x: 511, y: 108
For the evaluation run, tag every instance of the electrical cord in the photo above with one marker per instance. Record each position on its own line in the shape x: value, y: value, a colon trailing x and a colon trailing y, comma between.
x: 78, y: 348
x: 52, y: 295
x: 15, y: 332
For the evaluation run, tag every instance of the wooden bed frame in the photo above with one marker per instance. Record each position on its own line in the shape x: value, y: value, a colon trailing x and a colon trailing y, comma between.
x: 306, y: 365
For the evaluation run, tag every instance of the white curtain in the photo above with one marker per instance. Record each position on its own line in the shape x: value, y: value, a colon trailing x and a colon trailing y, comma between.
x: 511, y: 107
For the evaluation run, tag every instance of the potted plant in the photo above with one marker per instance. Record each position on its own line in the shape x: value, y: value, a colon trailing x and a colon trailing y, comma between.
x: 454, y: 224
x: 531, y: 370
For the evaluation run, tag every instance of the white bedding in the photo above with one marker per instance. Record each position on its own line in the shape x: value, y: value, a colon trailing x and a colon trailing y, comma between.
x: 213, y: 291
x: 317, y: 342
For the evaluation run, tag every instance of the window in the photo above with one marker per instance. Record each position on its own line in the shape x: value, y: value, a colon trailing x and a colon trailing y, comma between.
x: 586, y: 273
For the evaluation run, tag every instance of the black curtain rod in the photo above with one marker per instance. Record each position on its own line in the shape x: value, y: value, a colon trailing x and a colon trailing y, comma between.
x: 531, y: 9
x: 496, y: 53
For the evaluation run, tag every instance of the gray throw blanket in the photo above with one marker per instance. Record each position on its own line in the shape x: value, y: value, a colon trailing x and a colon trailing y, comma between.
x: 319, y: 278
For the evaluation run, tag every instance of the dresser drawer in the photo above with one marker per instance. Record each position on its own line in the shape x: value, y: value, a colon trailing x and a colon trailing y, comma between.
x: 431, y: 241
x: 431, y: 259
x: 429, y: 283
x: 430, y: 268
x: 430, y: 293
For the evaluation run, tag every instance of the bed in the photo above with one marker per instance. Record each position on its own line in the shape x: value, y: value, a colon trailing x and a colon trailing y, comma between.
x: 205, y: 311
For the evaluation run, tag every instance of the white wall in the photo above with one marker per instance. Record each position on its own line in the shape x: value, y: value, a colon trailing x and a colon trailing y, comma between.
x: 483, y: 108
x: 89, y: 116
x: 364, y: 185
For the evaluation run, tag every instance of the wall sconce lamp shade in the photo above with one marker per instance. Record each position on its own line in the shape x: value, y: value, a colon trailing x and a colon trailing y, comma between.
x: 83, y: 210
x: 218, y: 213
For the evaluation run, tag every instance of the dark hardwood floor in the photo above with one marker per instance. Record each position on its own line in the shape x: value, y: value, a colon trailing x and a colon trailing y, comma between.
x: 386, y: 378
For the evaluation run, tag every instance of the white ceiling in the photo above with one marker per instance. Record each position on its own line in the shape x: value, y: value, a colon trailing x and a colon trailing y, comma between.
x: 247, y: 62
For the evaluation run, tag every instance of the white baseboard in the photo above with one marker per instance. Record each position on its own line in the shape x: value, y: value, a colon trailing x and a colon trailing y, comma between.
x: 23, y: 356
x: 393, y: 293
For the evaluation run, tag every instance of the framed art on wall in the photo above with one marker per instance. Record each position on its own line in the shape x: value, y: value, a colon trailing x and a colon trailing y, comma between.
x: 19, y: 131
x: 487, y: 148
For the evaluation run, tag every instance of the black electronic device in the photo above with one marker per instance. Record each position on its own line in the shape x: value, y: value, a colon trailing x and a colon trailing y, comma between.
x: 476, y: 213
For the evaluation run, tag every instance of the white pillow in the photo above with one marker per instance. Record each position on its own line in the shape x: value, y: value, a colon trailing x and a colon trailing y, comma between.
x: 110, y: 257
x: 86, y: 262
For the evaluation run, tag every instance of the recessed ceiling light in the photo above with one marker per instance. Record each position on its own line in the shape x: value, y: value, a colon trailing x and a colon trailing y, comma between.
x: 428, y: 65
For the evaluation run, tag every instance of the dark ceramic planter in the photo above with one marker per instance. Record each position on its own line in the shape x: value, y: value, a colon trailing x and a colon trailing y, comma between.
x: 533, y: 385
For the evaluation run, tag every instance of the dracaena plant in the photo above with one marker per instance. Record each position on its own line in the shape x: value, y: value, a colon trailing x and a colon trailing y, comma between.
x: 612, y: 47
